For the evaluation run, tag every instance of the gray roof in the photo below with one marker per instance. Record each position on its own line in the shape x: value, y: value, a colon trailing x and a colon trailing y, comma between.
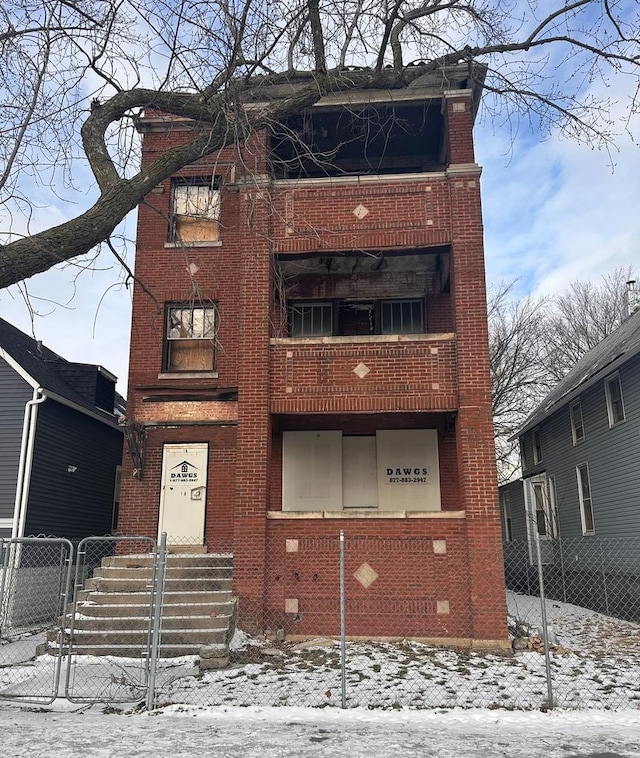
x: 44, y: 367
x: 613, y: 351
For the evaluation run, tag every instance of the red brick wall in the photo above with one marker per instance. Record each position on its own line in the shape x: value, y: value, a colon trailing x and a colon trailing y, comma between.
x: 411, y: 375
x: 406, y: 381
x: 402, y: 601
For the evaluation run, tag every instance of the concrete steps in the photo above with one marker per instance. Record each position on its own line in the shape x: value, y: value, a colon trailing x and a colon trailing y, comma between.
x: 112, y: 612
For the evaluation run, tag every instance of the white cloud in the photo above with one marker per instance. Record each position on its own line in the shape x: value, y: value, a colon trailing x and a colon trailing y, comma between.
x: 555, y: 211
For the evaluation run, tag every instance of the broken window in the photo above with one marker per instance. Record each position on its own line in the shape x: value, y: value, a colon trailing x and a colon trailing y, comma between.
x: 190, y: 338
x: 378, y: 138
x: 354, y: 317
x: 195, y: 210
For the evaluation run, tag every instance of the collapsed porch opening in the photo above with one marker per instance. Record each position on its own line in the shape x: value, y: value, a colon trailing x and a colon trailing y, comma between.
x: 361, y: 293
x: 360, y: 138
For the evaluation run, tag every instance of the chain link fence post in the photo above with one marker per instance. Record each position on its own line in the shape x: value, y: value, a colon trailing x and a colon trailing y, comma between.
x: 343, y: 628
x: 543, y: 614
x: 157, y: 595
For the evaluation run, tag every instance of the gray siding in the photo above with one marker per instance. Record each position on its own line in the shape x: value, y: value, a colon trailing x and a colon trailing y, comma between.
x: 79, y: 503
x: 14, y: 394
x: 515, y: 493
x: 612, y: 454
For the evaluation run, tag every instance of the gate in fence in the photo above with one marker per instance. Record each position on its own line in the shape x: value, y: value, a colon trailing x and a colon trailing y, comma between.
x: 57, y: 639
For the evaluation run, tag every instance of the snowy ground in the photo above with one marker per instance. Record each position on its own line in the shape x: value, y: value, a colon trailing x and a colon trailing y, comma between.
x: 181, y: 731
x: 596, y: 665
x: 428, y: 702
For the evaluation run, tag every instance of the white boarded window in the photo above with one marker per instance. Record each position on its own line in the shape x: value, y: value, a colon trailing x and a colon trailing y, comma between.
x: 393, y: 470
x: 359, y: 485
x: 408, y: 470
x: 312, y: 471
x: 195, y: 210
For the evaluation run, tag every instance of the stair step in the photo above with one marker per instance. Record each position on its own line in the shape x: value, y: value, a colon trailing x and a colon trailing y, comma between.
x: 140, y: 637
x: 130, y: 651
x: 129, y: 610
x: 143, y: 561
x: 172, y: 572
x: 171, y: 585
x: 142, y: 598
x: 107, y: 623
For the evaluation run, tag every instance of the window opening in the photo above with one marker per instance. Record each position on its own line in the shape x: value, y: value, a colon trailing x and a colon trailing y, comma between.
x: 195, y: 210
x: 584, y: 492
x: 577, y: 424
x: 537, y: 446
x: 190, y: 334
x: 615, y: 406
x: 506, y: 517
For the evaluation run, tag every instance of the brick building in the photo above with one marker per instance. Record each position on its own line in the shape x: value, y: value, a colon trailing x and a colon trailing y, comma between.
x: 317, y: 361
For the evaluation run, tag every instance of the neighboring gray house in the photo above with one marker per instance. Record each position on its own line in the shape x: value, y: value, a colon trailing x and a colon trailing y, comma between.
x: 60, y: 443
x: 580, y: 455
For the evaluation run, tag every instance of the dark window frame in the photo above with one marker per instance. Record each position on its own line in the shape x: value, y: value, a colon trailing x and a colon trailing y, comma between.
x: 213, y: 184
x: 615, y: 401
x: 575, y: 409
x: 585, y: 498
x: 341, y: 310
x: 205, y: 307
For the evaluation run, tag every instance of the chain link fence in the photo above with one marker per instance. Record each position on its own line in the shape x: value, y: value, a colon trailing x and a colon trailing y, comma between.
x: 35, y: 580
x: 342, y: 621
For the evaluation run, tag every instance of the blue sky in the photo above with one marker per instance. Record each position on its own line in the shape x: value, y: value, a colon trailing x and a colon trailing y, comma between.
x: 554, y: 211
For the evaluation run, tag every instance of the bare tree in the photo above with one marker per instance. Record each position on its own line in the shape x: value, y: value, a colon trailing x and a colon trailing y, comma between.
x: 581, y: 316
x: 519, y: 376
x: 77, y: 73
x: 534, y: 341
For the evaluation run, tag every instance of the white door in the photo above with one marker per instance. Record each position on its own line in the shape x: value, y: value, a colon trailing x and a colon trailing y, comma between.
x: 183, y: 495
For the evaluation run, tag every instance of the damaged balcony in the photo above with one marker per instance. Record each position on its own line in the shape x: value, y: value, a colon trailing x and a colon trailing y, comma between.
x: 364, y: 332
x: 360, y: 139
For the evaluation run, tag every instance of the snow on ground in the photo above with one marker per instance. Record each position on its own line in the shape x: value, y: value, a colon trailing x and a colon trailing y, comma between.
x: 181, y: 731
x: 403, y: 699
x: 597, y: 666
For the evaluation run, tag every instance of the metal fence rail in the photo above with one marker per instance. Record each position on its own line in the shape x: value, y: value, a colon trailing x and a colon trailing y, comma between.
x: 34, y: 586
x: 141, y: 624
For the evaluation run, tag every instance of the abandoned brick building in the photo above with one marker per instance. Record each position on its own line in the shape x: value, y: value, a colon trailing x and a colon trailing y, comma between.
x: 321, y: 365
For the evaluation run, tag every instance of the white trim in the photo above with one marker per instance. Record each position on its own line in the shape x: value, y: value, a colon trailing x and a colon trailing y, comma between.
x: 423, y: 177
x: 18, y: 368
x: 585, y: 532
x: 362, y: 339
x: 608, y: 380
x: 365, y: 514
x: 6, y: 523
x: 576, y: 404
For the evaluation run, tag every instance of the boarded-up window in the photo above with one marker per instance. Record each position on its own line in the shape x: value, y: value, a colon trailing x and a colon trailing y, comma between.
x: 393, y: 470
x: 312, y: 471
x: 190, y: 335
x: 195, y: 212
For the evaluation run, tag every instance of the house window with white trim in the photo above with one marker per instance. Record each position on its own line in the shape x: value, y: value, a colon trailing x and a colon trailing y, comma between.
x: 584, y: 493
x: 615, y: 405
x: 195, y: 210
x: 537, y: 446
x: 577, y: 424
x: 190, y: 336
